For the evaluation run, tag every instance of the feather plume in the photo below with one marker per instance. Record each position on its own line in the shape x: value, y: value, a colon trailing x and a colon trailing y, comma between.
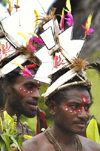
x: 48, y: 16
x: 68, y: 5
x: 79, y: 64
x: 87, y: 28
x: 17, y: 6
x: 26, y: 51
x: 10, y: 7
x: 24, y: 70
x: 88, y: 22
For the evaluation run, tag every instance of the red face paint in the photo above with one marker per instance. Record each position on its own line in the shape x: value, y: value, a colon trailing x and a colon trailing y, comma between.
x: 28, y: 92
x: 84, y: 103
x: 84, y: 99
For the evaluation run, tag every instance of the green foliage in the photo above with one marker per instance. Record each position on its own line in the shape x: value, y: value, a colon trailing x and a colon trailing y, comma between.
x: 31, y: 122
x: 95, y: 55
x: 94, y: 77
x: 3, y: 2
x: 9, y: 135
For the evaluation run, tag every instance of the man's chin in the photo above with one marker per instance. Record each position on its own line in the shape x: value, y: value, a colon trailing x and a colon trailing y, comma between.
x: 30, y: 114
x: 80, y: 132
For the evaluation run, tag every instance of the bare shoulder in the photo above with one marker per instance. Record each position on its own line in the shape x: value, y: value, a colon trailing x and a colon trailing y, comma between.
x: 34, y: 143
x: 37, y: 143
x: 89, y: 144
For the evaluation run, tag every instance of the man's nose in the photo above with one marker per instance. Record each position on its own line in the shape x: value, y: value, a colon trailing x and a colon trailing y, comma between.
x: 83, y: 114
x: 36, y: 94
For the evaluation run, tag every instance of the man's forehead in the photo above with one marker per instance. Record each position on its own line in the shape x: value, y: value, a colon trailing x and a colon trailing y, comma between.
x: 77, y: 95
x: 23, y: 79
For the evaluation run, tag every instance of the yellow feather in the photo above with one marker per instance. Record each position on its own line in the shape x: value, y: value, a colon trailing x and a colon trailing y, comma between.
x: 88, y: 24
x: 36, y: 15
x: 9, y: 3
x: 62, y: 15
x: 24, y: 36
x: 68, y: 5
x: 33, y: 34
x: 17, y: 2
x: 18, y: 65
x: 10, y: 8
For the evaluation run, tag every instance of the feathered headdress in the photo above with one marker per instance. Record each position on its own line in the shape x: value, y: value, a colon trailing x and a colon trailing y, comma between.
x: 60, y: 52
x: 18, y: 42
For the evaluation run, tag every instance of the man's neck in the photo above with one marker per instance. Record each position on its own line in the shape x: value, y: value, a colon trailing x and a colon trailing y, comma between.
x: 12, y: 112
x: 62, y: 137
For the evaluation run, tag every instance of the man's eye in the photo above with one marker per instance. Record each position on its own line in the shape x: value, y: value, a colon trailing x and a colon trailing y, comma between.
x: 75, y: 106
x: 30, y: 86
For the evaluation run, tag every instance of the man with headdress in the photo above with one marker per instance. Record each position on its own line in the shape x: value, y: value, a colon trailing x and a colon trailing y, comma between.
x: 18, y: 66
x: 68, y: 97
x: 80, y: 12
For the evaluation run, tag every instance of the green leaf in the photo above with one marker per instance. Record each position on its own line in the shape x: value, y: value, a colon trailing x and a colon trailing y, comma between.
x: 6, y: 139
x: 9, y: 134
x: 19, y: 140
x: 9, y: 121
x: 1, y: 125
x: 2, y: 146
x: 15, y: 142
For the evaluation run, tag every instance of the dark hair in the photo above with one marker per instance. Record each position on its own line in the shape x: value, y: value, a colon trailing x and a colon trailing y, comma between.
x: 3, y: 94
x: 9, y: 78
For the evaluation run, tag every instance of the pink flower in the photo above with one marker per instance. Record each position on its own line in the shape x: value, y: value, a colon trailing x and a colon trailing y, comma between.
x: 69, y: 19
x: 38, y: 40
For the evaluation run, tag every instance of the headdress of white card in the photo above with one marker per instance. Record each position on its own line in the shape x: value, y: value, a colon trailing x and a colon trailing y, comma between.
x: 56, y: 56
x: 20, y: 22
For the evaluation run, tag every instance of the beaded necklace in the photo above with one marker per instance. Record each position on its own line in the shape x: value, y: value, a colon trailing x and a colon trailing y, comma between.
x: 53, y: 141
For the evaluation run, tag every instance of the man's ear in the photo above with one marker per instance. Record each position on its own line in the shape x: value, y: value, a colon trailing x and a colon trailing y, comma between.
x: 52, y: 107
x: 9, y: 89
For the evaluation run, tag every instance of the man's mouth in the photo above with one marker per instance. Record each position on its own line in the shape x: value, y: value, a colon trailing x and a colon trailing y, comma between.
x: 80, y: 123
x: 33, y: 104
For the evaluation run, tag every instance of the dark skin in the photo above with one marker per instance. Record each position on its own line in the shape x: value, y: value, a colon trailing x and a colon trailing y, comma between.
x: 66, y: 125
x: 23, y: 98
x: 19, y: 102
